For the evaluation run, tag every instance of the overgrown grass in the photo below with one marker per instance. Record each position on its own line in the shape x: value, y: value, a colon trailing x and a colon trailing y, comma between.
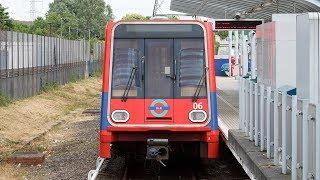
x: 4, y: 100
x: 49, y: 86
x: 74, y: 78
x: 97, y: 73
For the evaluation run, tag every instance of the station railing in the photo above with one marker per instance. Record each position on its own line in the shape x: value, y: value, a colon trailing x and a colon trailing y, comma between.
x: 286, y: 127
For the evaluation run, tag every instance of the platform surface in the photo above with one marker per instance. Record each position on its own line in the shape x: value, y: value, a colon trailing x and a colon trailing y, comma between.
x: 228, y: 104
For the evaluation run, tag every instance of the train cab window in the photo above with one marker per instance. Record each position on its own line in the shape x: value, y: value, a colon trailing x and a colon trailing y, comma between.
x: 191, y: 67
x: 127, y: 66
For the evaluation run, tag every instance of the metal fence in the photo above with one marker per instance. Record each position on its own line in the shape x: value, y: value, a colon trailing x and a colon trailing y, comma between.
x: 28, y: 62
x: 286, y: 127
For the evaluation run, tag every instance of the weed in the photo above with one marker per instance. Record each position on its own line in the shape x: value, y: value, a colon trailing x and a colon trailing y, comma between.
x: 97, y: 73
x: 74, y: 78
x: 49, y: 86
x: 4, y: 99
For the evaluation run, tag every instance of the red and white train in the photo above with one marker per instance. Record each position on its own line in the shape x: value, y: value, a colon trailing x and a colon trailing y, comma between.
x: 159, y: 89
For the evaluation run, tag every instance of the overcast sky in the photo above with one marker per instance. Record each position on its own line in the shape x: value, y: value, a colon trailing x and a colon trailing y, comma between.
x: 20, y: 9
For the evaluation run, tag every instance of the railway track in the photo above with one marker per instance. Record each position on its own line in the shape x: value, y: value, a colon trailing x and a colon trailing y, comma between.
x: 181, y: 168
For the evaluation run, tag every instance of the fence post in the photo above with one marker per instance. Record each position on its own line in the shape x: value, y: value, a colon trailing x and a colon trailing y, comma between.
x: 294, y: 138
x: 305, y: 141
x: 317, y: 141
x: 247, y: 112
x: 240, y: 102
x: 268, y: 119
x: 251, y: 111
x: 262, y: 117
x: 276, y: 127
x: 256, y: 114
x: 284, y: 131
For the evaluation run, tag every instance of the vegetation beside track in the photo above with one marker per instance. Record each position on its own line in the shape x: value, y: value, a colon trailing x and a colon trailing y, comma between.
x: 24, y: 120
x: 4, y: 100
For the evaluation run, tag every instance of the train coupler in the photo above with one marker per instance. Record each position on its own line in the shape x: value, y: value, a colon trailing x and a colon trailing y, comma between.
x: 157, y: 149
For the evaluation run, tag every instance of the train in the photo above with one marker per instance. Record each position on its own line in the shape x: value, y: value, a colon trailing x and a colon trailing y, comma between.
x: 159, y: 90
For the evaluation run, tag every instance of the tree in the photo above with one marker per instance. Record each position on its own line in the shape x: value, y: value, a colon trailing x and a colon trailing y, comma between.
x: 92, y: 16
x: 223, y: 34
x: 173, y: 17
x: 134, y: 17
x: 40, y: 27
x: 20, y: 27
x: 78, y: 18
x: 5, y: 22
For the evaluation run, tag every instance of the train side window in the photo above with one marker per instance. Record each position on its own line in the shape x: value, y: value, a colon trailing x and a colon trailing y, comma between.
x: 191, y: 65
x: 126, y: 56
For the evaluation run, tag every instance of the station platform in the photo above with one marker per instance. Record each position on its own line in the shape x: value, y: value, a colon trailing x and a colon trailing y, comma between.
x: 254, y: 162
x: 228, y: 104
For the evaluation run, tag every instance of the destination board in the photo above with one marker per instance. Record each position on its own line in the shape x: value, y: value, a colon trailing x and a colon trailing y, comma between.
x: 237, y: 24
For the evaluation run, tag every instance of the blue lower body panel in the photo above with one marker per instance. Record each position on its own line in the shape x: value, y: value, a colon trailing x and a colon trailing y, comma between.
x: 104, y: 111
x: 214, y: 111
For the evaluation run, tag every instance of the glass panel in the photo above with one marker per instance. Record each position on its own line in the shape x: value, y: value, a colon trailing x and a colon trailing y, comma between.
x: 159, y: 58
x: 127, y: 55
x: 191, y: 66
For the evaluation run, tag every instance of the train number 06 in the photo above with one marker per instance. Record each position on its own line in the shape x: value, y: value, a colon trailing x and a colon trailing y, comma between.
x: 197, y: 105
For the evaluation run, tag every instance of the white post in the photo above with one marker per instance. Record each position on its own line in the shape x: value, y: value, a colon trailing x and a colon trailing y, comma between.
x: 244, y: 58
x: 236, y: 53
x: 256, y: 114
x: 294, y: 135
x: 318, y: 141
x: 305, y: 141
x: 251, y: 110
x: 253, y: 57
x: 284, y: 132
x: 244, y: 54
x: 276, y: 128
x: 230, y: 53
x: 268, y: 119
x: 262, y: 117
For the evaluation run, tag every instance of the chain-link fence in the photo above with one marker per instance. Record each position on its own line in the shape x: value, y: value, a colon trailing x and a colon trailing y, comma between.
x: 28, y: 62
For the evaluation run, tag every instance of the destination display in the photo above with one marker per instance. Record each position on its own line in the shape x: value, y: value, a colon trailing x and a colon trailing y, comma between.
x: 237, y: 24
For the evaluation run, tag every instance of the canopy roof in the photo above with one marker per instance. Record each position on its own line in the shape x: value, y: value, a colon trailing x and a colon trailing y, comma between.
x: 258, y: 9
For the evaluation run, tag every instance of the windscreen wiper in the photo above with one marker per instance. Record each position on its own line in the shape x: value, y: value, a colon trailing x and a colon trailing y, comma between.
x: 129, y: 83
x: 199, y: 86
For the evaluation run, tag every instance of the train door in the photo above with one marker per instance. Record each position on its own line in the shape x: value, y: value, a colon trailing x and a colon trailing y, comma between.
x: 159, y: 80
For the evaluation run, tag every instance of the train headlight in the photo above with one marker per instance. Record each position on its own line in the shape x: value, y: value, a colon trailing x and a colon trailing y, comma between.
x: 120, y: 116
x: 197, y: 116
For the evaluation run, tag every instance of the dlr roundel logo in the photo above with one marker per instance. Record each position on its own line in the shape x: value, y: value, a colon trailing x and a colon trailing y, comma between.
x: 159, y: 108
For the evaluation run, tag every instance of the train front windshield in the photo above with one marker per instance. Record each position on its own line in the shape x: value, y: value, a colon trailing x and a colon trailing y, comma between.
x: 159, y: 61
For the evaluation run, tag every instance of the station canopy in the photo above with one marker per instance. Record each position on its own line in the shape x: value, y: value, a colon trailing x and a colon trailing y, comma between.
x: 254, y: 9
